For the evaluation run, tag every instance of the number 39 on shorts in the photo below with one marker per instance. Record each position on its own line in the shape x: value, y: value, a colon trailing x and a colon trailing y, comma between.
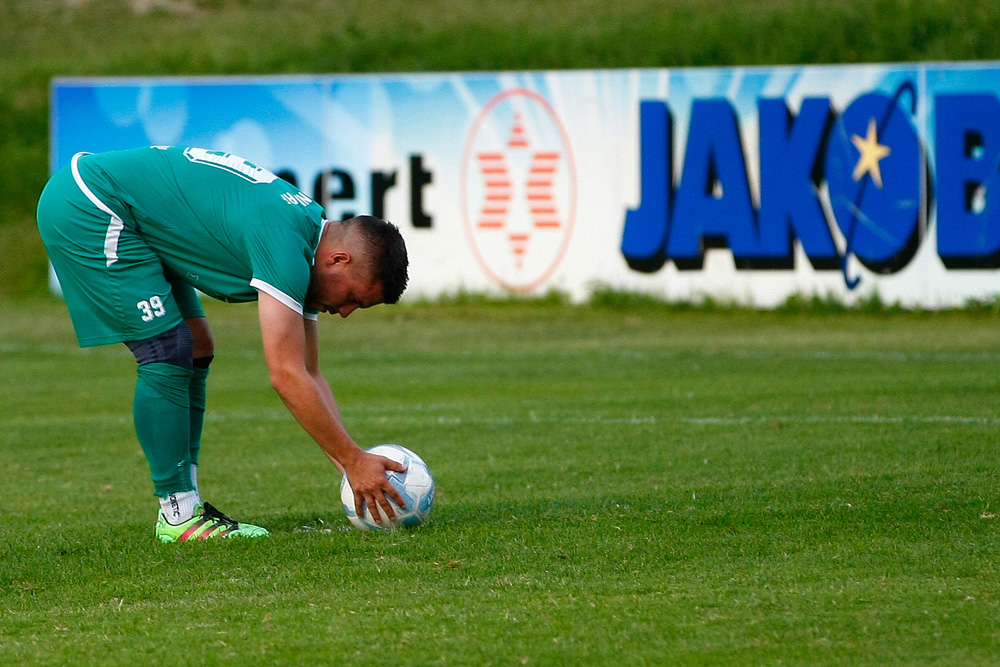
x: 151, y: 309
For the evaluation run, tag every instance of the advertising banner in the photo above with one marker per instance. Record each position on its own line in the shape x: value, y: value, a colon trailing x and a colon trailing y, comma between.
x: 741, y: 184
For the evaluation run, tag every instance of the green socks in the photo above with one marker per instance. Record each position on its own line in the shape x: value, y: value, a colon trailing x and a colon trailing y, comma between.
x: 198, y: 390
x: 164, y: 419
x: 169, y: 414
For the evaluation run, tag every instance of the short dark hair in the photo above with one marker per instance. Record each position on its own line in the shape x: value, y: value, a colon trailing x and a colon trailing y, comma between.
x: 387, y: 252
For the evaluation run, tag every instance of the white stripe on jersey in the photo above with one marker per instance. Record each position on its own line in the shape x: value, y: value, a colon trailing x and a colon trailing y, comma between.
x: 286, y: 300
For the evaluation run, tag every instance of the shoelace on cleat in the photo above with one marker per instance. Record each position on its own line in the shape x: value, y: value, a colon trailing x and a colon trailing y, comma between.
x: 210, y: 511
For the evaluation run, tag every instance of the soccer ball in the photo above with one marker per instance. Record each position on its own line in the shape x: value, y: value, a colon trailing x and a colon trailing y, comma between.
x: 415, y: 485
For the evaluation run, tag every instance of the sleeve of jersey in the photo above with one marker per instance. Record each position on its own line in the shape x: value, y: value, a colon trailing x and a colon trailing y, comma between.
x: 281, y: 270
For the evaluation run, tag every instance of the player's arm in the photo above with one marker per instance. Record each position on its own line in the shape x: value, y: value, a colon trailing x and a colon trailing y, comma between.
x: 312, y: 367
x: 289, y: 361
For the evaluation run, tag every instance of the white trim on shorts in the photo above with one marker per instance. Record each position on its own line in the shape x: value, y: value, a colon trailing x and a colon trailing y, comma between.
x: 115, y: 225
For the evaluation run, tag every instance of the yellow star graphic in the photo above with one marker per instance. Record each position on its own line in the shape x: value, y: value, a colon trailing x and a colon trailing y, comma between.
x: 871, y: 153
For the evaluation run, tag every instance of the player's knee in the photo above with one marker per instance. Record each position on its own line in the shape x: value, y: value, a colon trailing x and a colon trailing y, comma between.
x: 204, y: 342
x: 204, y: 348
x: 174, y: 347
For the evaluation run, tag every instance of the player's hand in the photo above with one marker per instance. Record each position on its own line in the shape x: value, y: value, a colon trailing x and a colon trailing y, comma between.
x: 366, y: 473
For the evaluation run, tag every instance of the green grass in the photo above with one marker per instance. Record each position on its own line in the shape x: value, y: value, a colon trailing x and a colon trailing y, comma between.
x: 618, y: 484
x: 46, y: 38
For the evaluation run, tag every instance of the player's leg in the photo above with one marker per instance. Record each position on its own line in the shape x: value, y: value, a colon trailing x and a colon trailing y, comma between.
x: 172, y: 388
x: 161, y: 412
x: 163, y: 424
x: 203, y: 352
x: 202, y: 355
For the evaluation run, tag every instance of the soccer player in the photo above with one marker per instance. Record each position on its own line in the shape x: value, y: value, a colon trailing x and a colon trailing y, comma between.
x: 132, y: 234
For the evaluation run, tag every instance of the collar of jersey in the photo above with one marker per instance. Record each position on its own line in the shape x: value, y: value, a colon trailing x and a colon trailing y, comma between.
x: 322, y: 228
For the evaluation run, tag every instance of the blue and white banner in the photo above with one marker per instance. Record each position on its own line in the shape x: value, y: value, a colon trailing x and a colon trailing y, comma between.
x: 745, y: 184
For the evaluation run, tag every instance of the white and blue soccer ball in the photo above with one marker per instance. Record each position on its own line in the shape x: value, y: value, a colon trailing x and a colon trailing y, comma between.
x: 416, y: 485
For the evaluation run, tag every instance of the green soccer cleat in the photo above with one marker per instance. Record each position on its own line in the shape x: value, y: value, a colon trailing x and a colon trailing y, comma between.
x: 207, y: 523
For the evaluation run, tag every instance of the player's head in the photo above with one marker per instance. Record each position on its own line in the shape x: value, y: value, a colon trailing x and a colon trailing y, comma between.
x: 386, y: 253
x: 359, y: 263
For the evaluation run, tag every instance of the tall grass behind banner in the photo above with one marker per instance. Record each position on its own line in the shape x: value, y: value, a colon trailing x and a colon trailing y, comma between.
x: 46, y: 38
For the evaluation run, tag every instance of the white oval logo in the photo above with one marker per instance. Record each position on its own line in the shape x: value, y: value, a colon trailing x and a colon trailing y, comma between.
x: 518, y: 190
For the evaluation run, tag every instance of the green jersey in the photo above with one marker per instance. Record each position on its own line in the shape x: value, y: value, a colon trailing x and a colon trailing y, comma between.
x: 216, y: 221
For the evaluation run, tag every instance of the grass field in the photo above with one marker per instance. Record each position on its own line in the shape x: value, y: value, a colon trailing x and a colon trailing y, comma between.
x: 615, y: 486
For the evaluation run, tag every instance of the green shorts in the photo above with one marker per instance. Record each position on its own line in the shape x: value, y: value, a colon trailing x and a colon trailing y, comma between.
x: 115, y: 286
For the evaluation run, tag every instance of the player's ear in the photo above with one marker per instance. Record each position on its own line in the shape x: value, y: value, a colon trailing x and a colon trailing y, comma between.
x: 338, y: 257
